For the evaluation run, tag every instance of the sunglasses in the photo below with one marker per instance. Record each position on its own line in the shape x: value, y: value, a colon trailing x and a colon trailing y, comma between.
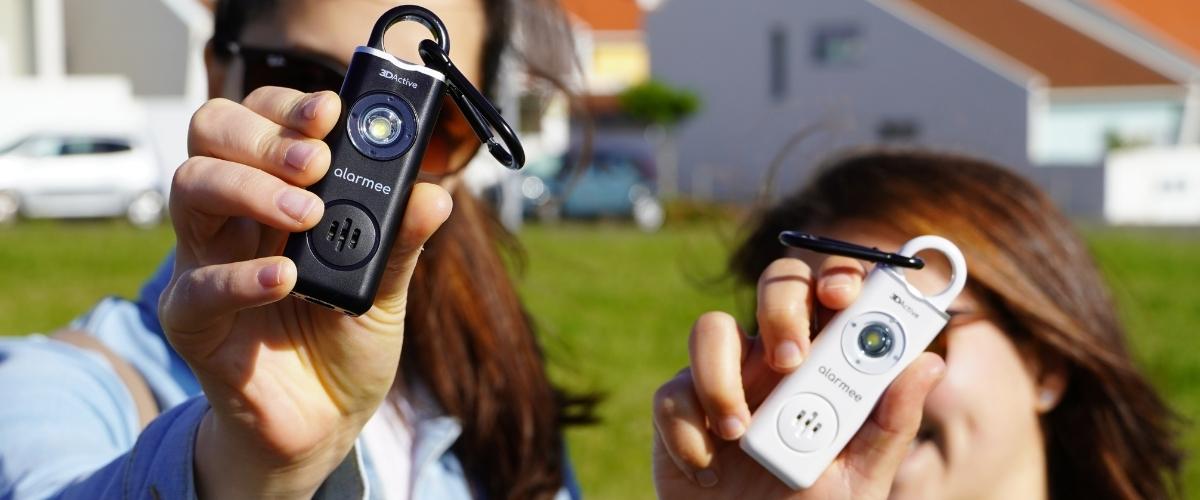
x: 298, y: 70
x: 309, y: 72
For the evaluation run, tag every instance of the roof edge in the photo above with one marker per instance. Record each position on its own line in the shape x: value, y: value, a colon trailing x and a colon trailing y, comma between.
x: 1120, y: 37
x: 1122, y: 93
x: 962, y: 42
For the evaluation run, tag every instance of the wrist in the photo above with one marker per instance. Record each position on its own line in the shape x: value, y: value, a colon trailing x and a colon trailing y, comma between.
x: 231, y: 464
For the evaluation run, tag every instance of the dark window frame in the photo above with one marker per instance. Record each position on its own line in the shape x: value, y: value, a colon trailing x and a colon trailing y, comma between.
x: 777, y: 63
x: 837, y: 44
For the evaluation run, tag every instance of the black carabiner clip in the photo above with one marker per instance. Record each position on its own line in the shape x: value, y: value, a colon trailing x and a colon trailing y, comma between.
x: 821, y: 244
x: 480, y: 113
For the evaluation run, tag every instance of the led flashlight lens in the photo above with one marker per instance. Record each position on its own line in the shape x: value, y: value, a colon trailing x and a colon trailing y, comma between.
x: 875, y: 340
x: 380, y: 125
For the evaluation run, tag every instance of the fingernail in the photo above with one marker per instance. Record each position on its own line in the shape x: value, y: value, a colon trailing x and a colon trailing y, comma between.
x: 309, y: 110
x: 787, y: 355
x: 299, y: 154
x: 732, y: 428
x: 271, y: 276
x: 836, y: 282
x: 296, y: 203
x: 706, y: 478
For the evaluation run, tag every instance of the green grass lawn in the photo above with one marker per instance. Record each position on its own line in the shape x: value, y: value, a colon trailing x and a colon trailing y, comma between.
x: 614, y: 307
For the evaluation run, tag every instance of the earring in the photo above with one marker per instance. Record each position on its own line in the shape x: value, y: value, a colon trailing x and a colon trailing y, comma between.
x: 1046, y: 399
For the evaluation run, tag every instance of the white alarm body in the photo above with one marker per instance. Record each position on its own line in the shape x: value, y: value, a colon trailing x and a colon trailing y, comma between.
x: 810, y: 416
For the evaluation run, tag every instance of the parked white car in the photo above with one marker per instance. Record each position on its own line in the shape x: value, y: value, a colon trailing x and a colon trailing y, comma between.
x: 75, y: 176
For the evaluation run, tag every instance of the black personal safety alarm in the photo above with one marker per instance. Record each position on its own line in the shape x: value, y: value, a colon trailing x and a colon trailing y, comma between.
x: 389, y: 109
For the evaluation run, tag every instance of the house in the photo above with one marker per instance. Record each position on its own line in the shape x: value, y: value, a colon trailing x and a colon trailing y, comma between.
x: 120, y: 66
x: 610, y: 44
x: 1021, y: 82
x: 1173, y: 22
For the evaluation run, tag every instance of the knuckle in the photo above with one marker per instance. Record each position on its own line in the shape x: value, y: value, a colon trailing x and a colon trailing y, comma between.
x: 783, y: 318
x: 668, y: 403
x: 258, y: 95
x: 712, y: 322
x: 246, y: 180
x: 208, y: 111
x: 165, y: 305
x: 788, y: 265
x: 187, y: 175
x: 203, y: 128
x: 210, y: 283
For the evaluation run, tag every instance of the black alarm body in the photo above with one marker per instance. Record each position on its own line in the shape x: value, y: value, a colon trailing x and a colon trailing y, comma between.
x: 340, y: 261
x: 389, y: 109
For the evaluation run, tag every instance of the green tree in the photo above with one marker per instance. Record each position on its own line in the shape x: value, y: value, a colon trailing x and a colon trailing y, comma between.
x: 656, y: 103
x: 661, y: 107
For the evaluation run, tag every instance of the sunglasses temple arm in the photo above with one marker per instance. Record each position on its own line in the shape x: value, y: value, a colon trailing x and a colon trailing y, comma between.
x: 480, y: 113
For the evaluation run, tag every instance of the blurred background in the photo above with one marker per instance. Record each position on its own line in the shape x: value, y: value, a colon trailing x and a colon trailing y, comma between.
x: 686, y: 115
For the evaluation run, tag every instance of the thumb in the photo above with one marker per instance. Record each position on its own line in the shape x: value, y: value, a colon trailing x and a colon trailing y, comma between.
x: 428, y: 207
x: 875, y: 453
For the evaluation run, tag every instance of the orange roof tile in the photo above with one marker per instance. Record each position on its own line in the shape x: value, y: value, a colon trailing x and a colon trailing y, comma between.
x: 1178, y: 21
x: 1066, y: 57
x: 606, y: 15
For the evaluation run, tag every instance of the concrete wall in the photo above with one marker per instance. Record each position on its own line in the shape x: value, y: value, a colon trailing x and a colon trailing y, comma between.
x: 720, y: 49
x: 121, y: 36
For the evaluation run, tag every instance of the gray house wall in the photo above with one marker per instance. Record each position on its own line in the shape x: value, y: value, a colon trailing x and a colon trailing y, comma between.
x: 720, y: 50
x: 120, y: 36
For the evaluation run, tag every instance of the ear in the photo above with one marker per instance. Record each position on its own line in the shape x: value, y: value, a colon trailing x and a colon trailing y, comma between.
x: 1051, y: 384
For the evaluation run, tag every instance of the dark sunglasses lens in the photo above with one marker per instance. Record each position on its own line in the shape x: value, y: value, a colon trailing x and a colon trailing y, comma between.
x: 264, y: 69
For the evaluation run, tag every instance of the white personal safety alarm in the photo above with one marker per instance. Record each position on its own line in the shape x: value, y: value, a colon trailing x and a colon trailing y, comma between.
x: 813, y: 412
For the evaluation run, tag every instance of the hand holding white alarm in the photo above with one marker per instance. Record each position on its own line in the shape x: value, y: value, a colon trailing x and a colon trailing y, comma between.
x: 702, y: 412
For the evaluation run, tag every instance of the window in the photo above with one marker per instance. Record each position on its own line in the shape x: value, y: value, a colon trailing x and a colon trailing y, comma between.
x: 86, y: 146
x: 837, y: 44
x: 898, y: 130
x: 111, y: 146
x: 777, y: 50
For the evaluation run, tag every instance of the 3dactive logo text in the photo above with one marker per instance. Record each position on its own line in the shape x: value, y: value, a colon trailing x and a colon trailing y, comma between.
x: 900, y: 302
x: 354, y: 178
x: 839, y: 383
x: 397, y: 78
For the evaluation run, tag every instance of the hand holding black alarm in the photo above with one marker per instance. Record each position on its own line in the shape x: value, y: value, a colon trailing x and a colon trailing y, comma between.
x: 288, y: 384
x: 389, y: 109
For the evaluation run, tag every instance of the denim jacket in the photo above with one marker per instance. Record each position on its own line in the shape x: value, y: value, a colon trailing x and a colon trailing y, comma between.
x: 69, y: 427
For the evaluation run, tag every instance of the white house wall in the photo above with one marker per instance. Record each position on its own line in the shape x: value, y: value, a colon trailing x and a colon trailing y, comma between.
x: 1153, y: 186
x: 16, y: 44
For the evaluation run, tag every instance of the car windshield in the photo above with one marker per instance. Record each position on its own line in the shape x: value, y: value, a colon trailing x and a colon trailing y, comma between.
x: 87, y: 145
x: 8, y: 148
x: 40, y: 146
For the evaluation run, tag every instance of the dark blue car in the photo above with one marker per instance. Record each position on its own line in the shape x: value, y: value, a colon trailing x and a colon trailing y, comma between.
x: 614, y: 183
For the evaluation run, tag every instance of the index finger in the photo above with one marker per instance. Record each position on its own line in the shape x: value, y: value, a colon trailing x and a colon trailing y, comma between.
x: 785, y: 301
x: 313, y: 115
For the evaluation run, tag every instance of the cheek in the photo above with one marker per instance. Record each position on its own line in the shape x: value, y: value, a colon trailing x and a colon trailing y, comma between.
x: 437, y: 156
x: 985, y: 404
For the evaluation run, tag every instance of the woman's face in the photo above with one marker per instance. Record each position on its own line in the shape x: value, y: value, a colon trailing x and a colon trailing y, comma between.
x: 333, y: 29
x: 980, y: 435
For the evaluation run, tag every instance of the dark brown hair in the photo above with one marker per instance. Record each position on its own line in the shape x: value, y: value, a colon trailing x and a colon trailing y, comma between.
x: 1110, y: 436
x: 467, y: 336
